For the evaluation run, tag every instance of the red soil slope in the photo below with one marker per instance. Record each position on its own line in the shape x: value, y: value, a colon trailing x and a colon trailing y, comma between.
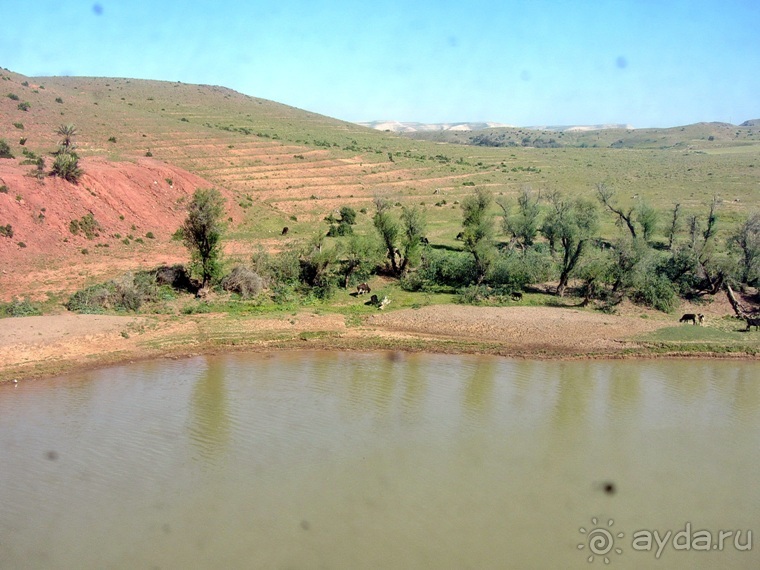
x: 126, y: 198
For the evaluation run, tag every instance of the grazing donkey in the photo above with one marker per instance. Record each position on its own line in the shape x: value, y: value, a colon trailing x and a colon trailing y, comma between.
x: 285, y: 230
x: 695, y: 319
x: 752, y: 322
x: 362, y: 288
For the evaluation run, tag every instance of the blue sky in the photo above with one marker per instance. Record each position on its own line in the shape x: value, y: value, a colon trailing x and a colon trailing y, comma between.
x: 648, y: 63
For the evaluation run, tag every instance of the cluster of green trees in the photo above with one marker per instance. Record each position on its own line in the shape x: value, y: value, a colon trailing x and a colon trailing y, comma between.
x: 542, y: 238
x: 308, y: 268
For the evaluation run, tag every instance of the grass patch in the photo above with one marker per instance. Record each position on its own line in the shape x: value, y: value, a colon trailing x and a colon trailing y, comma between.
x: 726, y: 336
x: 20, y: 308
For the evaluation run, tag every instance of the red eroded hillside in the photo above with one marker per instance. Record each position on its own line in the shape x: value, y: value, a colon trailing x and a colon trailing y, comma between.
x: 125, y: 198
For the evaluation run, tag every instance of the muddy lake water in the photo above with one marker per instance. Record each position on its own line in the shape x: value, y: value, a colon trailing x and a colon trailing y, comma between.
x: 383, y: 460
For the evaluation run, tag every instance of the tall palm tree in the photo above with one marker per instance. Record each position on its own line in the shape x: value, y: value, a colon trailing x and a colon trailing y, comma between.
x: 67, y: 132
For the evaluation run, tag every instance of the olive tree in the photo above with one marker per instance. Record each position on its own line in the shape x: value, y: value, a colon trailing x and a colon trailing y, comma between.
x: 522, y: 226
x: 414, y: 223
x: 405, y: 234
x: 477, y: 234
x: 388, y: 229
x: 746, y: 239
x: 202, y: 232
x: 571, y: 224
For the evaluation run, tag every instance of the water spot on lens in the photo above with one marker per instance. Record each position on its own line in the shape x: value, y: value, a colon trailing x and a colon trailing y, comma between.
x: 52, y: 455
x: 305, y: 524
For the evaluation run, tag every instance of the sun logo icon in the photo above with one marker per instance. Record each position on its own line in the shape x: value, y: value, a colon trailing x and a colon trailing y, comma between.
x: 600, y: 541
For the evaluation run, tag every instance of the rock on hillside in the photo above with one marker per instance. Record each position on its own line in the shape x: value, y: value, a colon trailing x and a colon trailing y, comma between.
x: 124, y: 198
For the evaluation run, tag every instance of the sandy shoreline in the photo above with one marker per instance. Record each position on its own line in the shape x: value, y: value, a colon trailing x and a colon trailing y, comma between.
x: 32, y: 347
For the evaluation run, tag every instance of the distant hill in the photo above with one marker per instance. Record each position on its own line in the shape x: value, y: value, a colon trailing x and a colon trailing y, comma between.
x: 570, y: 128
x: 598, y: 136
x: 406, y: 127
x: 411, y: 127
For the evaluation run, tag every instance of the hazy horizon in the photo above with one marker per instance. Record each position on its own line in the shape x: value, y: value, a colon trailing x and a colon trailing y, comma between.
x: 539, y: 63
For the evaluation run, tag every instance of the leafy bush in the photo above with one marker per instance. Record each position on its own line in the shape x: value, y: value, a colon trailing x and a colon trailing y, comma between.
x: 513, y: 270
x: 13, y: 97
x: 283, y: 268
x: 5, y: 150
x: 6, y: 231
x: 341, y: 229
x: 196, y: 308
x: 347, y: 215
x: 66, y: 166
x: 19, y: 308
x: 88, y: 225
x: 24, y: 106
x: 126, y: 293
x: 482, y: 294
x: 58, y: 100
x: 682, y: 269
x: 92, y: 300
x: 341, y: 226
x: 244, y: 281
x: 655, y: 291
x: 442, y: 269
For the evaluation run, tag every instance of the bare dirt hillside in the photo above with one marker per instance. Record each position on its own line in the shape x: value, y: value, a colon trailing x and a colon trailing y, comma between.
x: 130, y: 201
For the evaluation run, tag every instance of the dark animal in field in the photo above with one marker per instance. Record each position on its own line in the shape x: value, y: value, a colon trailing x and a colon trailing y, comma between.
x: 460, y: 236
x: 691, y: 317
x: 373, y: 300
x: 424, y: 240
x: 517, y: 296
x: 752, y: 322
x: 285, y: 230
x: 362, y: 288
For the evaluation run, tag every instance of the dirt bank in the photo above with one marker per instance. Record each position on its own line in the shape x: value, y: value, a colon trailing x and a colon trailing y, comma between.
x: 48, y: 345
x: 545, y: 329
